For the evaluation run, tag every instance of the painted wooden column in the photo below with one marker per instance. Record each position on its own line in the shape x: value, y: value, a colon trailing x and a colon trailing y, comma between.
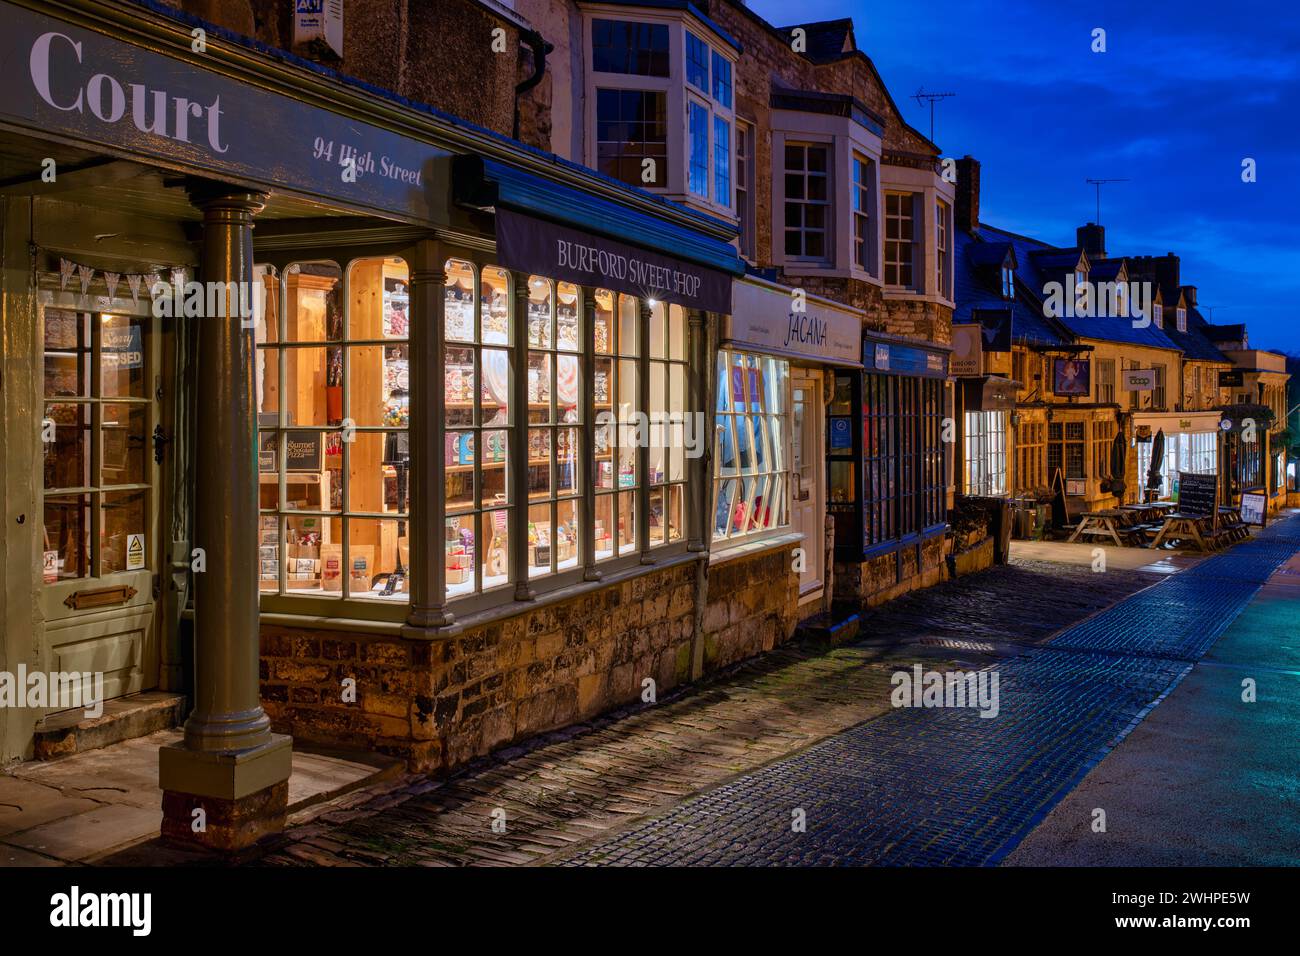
x: 428, y: 572
x: 518, y: 438
x: 229, y: 765
x: 587, y: 307
x: 643, y: 443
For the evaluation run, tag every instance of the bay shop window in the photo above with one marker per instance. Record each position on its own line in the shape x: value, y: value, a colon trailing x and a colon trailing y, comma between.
x: 751, y: 450
x: 560, y: 433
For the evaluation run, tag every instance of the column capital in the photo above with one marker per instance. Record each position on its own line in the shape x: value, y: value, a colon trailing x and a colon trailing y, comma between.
x: 207, y: 195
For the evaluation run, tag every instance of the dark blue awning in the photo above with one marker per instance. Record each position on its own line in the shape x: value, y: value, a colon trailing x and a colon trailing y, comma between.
x: 486, y: 184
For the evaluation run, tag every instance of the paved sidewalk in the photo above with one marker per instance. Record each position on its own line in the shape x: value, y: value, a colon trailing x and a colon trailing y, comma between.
x: 572, y: 787
x: 1208, y: 779
x: 944, y: 785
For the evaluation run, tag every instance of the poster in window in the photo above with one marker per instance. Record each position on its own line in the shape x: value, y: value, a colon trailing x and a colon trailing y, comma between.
x: 1071, y: 377
x: 841, y: 433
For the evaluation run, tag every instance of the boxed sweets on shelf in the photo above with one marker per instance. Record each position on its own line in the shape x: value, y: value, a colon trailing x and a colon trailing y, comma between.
x: 539, y: 318
x: 496, y: 317
x: 566, y: 319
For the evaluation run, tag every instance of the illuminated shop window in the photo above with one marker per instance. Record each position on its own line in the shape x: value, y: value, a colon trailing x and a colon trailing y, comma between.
x: 751, y: 448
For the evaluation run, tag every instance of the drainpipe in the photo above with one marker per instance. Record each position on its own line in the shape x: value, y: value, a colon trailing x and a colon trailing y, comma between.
x: 537, y: 43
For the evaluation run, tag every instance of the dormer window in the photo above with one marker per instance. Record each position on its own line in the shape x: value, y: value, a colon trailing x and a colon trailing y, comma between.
x: 1158, y: 315
x: 1181, y: 318
x: 1080, y: 289
x: 1008, y: 282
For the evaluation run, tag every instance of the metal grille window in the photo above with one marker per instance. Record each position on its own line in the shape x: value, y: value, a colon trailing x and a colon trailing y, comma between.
x: 900, y: 239
x: 631, y: 127
x: 333, y: 398
x: 751, y: 492
x: 807, y: 202
x: 903, y: 456
x: 986, y: 453
x: 863, y: 186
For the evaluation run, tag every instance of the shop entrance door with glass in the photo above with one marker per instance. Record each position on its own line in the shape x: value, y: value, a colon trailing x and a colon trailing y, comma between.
x: 808, y: 487
x: 100, y: 495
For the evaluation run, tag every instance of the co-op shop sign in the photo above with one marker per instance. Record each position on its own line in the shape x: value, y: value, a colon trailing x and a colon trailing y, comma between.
x: 87, y: 84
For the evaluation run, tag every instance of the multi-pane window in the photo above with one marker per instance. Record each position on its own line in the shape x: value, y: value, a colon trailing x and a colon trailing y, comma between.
x: 1008, y: 282
x: 985, y: 455
x: 1158, y: 315
x: 632, y: 136
x: 900, y: 239
x: 862, y: 189
x: 618, y: 407
x: 623, y: 46
x: 745, y: 187
x: 1134, y: 397
x: 941, y: 248
x: 1103, y: 437
x: 333, y: 386
x: 698, y: 163
x: 1197, y: 401
x: 722, y: 160
x: 666, y: 477
x: 479, y: 414
x: 1105, y: 380
x: 1180, y: 317
x: 553, y: 396
x: 697, y: 62
x: 1031, y: 464
x: 97, y: 467
x: 1065, y: 449
x: 1158, y: 395
x: 1081, y: 291
x: 721, y: 80
x: 751, y: 489
x: 807, y: 201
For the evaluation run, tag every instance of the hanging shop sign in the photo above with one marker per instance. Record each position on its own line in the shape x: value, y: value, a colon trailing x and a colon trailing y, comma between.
x: 995, y: 326
x: 967, y: 350
x: 544, y: 248
x: 1233, y: 378
x: 777, y: 320
x: 1071, y: 377
x: 63, y: 79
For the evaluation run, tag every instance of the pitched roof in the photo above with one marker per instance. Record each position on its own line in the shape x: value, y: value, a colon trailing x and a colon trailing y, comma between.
x: 1041, y: 263
x: 827, y: 39
x: 977, y: 283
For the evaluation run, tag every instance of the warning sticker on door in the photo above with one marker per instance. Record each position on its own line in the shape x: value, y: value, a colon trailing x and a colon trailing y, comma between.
x: 50, y: 568
x: 134, y: 552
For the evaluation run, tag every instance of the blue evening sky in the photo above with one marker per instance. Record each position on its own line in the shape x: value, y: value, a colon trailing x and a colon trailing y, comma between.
x: 1184, y: 92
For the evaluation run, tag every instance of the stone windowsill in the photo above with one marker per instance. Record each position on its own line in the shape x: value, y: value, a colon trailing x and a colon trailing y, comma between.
x: 749, y: 548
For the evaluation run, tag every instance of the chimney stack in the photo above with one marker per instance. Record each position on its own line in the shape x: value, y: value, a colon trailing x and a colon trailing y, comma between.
x: 966, y: 206
x: 1189, y: 293
x: 1092, y: 240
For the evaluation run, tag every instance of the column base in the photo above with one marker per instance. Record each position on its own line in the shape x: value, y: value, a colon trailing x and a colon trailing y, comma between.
x: 243, y: 796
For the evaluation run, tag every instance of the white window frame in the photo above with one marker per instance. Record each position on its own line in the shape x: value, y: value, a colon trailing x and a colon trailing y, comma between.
x: 942, y: 241
x: 861, y: 194
x: 913, y: 262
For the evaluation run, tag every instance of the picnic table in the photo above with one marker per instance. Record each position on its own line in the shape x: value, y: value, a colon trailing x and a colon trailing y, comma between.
x: 1113, y: 523
x: 1197, y: 528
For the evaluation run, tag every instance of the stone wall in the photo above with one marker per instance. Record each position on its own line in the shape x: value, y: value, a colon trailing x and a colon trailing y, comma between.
x: 442, y: 702
x: 887, y: 576
x: 437, y: 53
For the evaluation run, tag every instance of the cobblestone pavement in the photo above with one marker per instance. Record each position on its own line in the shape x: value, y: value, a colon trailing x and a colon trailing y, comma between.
x: 944, y: 785
x: 569, y: 789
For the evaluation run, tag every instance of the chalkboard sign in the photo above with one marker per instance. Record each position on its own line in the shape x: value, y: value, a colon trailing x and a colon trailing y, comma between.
x: 1198, y: 494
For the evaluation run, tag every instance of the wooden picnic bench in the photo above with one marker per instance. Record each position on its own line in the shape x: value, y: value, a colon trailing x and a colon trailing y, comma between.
x: 1113, y: 523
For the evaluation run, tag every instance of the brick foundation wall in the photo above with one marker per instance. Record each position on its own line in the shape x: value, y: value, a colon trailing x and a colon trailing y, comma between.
x: 440, y: 703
